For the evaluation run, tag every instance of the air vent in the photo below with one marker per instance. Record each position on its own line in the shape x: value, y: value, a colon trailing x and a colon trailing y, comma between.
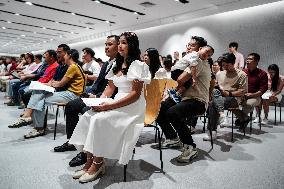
x: 147, y: 4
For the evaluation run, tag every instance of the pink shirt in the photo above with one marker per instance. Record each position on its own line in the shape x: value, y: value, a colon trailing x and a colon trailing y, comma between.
x: 240, y: 62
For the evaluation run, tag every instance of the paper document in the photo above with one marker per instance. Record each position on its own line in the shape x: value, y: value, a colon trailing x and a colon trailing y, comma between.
x: 96, y: 101
x: 35, y: 85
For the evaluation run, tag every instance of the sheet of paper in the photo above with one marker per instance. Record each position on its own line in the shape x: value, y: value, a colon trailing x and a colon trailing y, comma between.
x: 96, y: 101
x: 35, y: 85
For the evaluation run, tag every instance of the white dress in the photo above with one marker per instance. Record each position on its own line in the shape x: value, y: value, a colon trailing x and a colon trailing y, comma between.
x: 113, y: 134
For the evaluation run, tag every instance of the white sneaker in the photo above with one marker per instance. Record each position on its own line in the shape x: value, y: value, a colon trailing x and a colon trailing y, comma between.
x: 208, y: 138
x: 168, y: 143
x: 264, y: 121
x: 224, y: 122
x: 256, y: 120
x: 188, y: 154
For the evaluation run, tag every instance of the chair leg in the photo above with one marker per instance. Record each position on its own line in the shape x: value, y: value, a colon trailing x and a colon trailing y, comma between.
x: 124, y: 173
x: 232, y: 139
x: 45, y: 118
x: 161, y: 153
x: 250, y: 128
x: 204, y: 123
x: 259, y: 120
x: 210, y: 132
x: 275, y: 109
x: 55, y: 126
x: 280, y: 113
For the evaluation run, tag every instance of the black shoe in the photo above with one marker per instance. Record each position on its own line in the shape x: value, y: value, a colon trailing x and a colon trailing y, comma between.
x: 244, y: 124
x: 80, y: 159
x: 65, y: 147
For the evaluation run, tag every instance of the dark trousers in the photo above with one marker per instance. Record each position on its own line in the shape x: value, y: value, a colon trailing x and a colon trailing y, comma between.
x: 176, y: 73
x: 72, y: 110
x: 15, y: 89
x: 171, y: 118
x: 25, y: 96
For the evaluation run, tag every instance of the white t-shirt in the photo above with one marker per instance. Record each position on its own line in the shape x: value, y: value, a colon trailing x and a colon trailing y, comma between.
x: 191, y: 59
x: 93, y: 67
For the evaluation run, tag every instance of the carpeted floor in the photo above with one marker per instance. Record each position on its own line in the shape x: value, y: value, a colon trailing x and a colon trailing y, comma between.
x: 251, y: 161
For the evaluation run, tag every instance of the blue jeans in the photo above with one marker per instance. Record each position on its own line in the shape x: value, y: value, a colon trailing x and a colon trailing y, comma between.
x: 40, y: 99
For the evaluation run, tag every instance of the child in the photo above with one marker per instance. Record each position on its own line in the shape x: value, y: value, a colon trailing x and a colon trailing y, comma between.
x: 190, y: 60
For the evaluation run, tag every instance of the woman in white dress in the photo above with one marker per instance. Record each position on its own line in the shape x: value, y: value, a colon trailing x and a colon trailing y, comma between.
x: 111, y: 130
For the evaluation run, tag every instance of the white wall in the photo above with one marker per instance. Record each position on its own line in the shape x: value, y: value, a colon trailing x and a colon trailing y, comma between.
x: 257, y: 29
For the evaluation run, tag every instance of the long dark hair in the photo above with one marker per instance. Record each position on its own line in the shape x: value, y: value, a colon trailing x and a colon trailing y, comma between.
x: 133, y: 53
x: 275, y: 78
x: 155, y: 64
x: 74, y: 54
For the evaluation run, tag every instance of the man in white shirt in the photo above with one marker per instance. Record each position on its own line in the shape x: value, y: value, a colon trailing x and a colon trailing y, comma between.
x: 91, y: 67
x: 239, y: 63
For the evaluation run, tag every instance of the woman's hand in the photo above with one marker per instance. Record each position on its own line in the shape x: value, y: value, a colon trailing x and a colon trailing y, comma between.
x: 102, y: 107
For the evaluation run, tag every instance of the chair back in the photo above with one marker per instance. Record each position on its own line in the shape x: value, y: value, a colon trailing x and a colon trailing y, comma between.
x: 153, y: 94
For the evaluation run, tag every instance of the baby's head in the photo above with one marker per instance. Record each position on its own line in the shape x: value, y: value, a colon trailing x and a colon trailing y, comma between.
x: 205, y: 52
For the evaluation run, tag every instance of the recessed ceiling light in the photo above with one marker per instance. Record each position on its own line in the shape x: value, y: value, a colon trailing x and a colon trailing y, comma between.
x: 107, y: 21
x: 35, y: 33
x: 28, y: 3
x: 3, y: 28
x: 44, y: 41
x: 72, y: 32
x: 44, y: 28
x: 135, y: 13
x: 87, y: 28
x: 60, y: 36
x: 51, y: 39
x: 97, y: 1
x: 56, y: 22
x: 17, y: 14
x: 23, y: 35
x: 9, y: 22
x: 73, y: 13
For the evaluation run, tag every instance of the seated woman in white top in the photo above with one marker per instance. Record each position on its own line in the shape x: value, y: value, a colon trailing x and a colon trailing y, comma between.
x: 274, y: 92
x: 112, y: 129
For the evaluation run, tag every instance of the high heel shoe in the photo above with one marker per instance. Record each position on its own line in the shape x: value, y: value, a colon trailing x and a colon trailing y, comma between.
x: 81, y: 172
x: 91, y: 177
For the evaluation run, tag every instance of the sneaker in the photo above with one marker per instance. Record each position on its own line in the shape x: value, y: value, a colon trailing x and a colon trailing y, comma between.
x: 264, y: 121
x: 171, y: 143
x: 208, y: 138
x: 174, y: 96
x: 22, y: 121
x: 256, y: 120
x: 223, y: 121
x: 34, y: 133
x: 188, y: 154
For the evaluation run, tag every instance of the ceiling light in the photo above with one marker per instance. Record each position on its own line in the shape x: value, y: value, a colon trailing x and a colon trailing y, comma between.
x: 3, y: 28
x: 35, y: 33
x: 87, y: 28
x: 97, y: 1
x: 17, y: 14
x: 72, y: 32
x: 73, y: 13
x: 28, y: 3
x: 9, y: 22
x: 44, y: 41
x: 44, y: 28
x: 51, y: 39
x: 56, y: 22
x: 107, y: 21
x: 60, y: 36
x: 23, y: 35
x: 135, y: 13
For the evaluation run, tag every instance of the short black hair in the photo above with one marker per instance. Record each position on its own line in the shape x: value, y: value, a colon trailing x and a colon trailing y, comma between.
x: 64, y: 47
x: 52, y: 53
x: 229, y: 58
x: 256, y: 56
x: 234, y: 44
x: 116, y: 37
x: 209, y: 46
x: 89, y: 51
x: 38, y: 56
x: 200, y: 41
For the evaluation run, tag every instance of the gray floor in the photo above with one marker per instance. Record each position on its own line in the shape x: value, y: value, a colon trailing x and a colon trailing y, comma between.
x: 252, y: 161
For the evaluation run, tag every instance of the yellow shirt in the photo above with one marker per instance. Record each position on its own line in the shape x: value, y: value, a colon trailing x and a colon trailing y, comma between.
x: 76, y: 83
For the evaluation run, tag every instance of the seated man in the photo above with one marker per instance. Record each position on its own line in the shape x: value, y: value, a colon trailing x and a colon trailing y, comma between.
x: 194, y: 103
x: 257, y: 86
x: 77, y: 106
x: 73, y: 82
x: 231, y: 87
